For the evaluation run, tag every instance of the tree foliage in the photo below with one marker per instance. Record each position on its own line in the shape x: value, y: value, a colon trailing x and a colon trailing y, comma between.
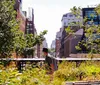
x: 8, y: 27
x: 90, y: 42
x: 12, y: 39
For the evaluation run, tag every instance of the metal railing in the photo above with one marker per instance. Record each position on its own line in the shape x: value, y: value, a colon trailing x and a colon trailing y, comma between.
x: 21, y: 62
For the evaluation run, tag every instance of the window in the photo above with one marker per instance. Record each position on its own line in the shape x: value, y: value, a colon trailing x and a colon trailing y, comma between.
x: 89, y: 22
x: 65, y: 15
x: 70, y: 15
x: 64, y: 23
x: 74, y: 22
x: 91, y: 14
x: 99, y: 17
x: 96, y: 23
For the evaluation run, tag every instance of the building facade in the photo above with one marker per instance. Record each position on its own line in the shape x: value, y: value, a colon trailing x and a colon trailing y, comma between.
x: 70, y: 19
x: 91, y: 15
x: 68, y: 42
x: 40, y: 48
x: 93, y: 18
x: 53, y: 44
x: 45, y: 44
x: 58, y: 42
x: 20, y: 15
x: 30, y: 29
x: 72, y: 40
x: 53, y: 48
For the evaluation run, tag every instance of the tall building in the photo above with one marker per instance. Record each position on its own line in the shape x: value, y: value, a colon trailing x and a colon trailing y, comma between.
x: 92, y: 18
x: 91, y: 15
x: 68, y: 41
x: 53, y: 44
x: 53, y: 48
x: 20, y: 15
x: 26, y: 24
x: 45, y: 44
x: 30, y: 29
x: 58, y: 42
x: 70, y: 19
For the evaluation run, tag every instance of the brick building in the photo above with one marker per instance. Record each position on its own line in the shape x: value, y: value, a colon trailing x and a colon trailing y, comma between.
x: 57, y: 47
x: 20, y: 15
x: 58, y: 42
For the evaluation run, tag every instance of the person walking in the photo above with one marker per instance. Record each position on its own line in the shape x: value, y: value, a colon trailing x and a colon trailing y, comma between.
x: 48, y: 62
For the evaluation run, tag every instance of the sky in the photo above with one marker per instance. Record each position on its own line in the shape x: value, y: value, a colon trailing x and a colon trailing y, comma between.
x: 48, y: 13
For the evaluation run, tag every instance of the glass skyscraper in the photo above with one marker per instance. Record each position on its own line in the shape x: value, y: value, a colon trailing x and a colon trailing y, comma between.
x: 91, y: 15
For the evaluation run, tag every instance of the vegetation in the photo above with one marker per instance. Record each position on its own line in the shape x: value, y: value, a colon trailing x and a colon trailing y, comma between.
x: 35, y: 76
x: 12, y: 39
x: 90, y: 42
x: 87, y: 71
x: 67, y: 71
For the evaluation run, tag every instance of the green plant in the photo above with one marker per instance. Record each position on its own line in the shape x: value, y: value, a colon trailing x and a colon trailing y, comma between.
x: 91, y: 33
x: 67, y: 71
x: 30, y: 76
x: 12, y: 39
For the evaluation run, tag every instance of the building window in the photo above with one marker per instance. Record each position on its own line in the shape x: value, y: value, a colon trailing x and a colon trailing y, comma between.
x: 99, y: 17
x: 74, y: 22
x: 89, y: 23
x: 64, y: 23
x: 96, y: 23
x: 91, y: 14
x: 70, y: 15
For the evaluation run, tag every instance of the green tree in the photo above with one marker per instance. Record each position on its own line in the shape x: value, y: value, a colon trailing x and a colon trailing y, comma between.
x: 12, y: 39
x: 91, y: 41
x: 8, y: 27
x: 31, y: 41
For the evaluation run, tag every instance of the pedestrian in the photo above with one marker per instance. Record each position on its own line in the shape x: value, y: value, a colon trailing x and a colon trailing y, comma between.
x: 48, y: 62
